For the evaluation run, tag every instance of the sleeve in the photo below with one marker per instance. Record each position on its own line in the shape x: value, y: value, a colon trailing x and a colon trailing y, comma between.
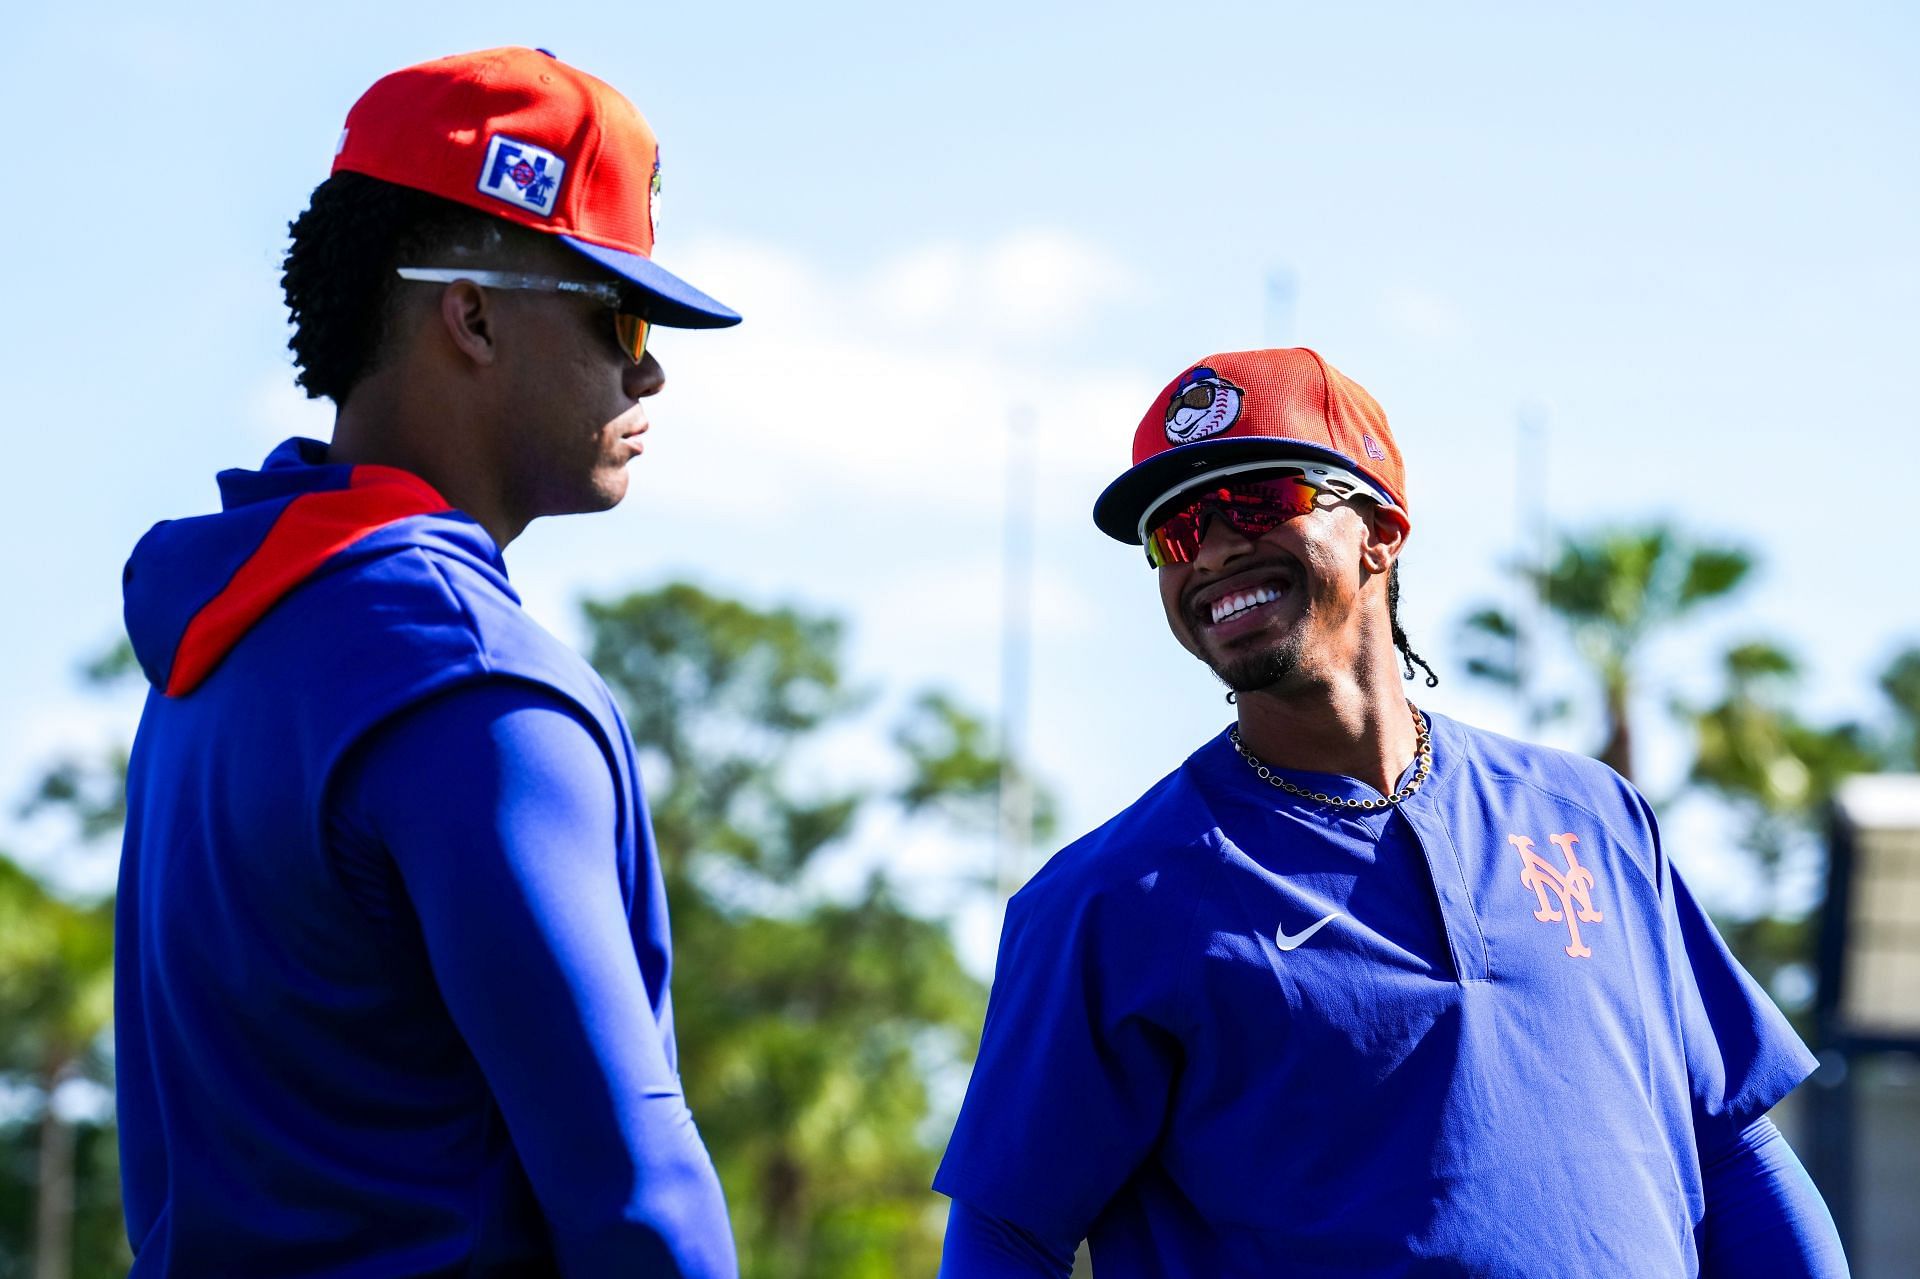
x: 497, y: 807
x: 980, y: 1246
x: 1742, y: 1056
x: 1765, y: 1219
x: 1078, y: 1060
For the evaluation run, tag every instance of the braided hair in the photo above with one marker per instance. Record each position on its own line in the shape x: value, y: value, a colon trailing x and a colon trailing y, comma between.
x: 1408, y: 657
x: 339, y: 279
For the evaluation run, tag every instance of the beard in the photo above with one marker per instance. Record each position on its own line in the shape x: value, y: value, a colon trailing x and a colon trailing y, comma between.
x: 1252, y: 672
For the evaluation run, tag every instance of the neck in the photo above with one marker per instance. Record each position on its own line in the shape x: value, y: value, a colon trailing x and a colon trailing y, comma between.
x: 1356, y: 725
x: 382, y: 424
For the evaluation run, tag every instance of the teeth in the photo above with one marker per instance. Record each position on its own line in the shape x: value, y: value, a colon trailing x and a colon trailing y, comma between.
x: 1232, y: 605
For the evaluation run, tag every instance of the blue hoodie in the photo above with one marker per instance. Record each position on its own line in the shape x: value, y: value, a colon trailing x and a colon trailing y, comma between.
x: 392, y: 970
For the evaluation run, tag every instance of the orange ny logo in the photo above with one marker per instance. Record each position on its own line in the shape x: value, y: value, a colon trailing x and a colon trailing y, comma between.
x: 1574, y: 888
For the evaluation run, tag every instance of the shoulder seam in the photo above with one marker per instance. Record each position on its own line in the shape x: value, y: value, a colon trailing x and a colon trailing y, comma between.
x: 1568, y: 801
x: 466, y: 614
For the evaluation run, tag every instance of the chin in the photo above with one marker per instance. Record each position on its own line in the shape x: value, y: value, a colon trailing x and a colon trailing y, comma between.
x: 1262, y: 663
x: 609, y: 486
x: 1255, y: 672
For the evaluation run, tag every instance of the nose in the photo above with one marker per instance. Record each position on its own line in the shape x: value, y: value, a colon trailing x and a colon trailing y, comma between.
x: 645, y: 378
x: 1220, y: 544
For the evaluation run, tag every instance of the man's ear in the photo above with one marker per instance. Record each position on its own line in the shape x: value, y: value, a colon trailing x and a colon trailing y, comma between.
x: 467, y: 315
x: 1387, y: 532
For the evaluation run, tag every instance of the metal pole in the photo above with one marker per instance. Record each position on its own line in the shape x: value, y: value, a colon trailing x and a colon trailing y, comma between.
x: 1830, y: 1102
x: 1530, y: 507
x: 1015, y: 835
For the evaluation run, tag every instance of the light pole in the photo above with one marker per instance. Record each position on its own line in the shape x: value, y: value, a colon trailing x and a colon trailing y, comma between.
x: 1014, y: 835
x: 1530, y: 508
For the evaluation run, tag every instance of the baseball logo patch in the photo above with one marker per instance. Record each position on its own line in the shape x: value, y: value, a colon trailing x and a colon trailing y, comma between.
x: 521, y: 174
x: 653, y: 201
x: 1203, y: 404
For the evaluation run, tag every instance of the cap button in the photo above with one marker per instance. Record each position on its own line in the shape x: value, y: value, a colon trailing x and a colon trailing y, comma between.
x: 549, y: 52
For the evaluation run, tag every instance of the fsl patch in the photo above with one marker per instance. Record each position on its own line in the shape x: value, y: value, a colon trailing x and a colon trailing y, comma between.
x: 1203, y: 403
x: 521, y: 174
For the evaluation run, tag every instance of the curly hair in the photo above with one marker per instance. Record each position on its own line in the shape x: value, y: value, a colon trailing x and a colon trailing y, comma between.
x: 339, y: 279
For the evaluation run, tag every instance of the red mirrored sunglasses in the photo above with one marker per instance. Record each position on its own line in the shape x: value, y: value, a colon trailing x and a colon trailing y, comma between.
x: 1253, y: 504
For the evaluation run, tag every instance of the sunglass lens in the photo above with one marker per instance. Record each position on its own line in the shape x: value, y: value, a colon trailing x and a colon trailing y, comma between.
x: 631, y: 331
x: 1253, y: 509
x: 1171, y: 543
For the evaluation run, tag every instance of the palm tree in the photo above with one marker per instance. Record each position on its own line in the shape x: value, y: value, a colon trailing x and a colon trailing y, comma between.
x: 1614, y: 590
x: 1756, y: 752
x: 1901, y: 683
x: 1777, y: 773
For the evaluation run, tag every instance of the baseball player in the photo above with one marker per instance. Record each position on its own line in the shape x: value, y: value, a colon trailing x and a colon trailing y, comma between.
x: 1358, y: 990
x: 393, y: 955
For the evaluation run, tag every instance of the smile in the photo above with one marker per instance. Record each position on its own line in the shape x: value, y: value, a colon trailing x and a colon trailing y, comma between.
x: 1231, y: 606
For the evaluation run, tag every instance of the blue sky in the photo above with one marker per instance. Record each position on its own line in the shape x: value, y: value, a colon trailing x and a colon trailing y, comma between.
x: 1687, y: 237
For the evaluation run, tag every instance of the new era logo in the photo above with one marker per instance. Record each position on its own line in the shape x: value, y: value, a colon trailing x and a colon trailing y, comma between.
x: 521, y: 174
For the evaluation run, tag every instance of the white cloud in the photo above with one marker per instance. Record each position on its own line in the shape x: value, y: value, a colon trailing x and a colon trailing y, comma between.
x: 1426, y: 318
x: 828, y: 388
x: 966, y: 602
x: 771, y: 287
x: 1029, y: 284
x: 1046, y: 281
x: 922, y: 286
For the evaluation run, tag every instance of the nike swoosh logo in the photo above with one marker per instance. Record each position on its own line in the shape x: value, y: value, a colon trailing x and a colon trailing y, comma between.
x: 1288, y: 943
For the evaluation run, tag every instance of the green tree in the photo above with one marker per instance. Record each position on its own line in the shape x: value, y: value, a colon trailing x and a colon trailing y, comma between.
x: 56, y: 1002
x: 1777, y: 773
x: 1901, y: 683
x: 59, y: 1179
x: 816, y: 1029
x: 1613, y: 591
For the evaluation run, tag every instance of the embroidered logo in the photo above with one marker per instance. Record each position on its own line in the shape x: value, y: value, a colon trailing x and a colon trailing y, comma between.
x: 1203, y: 404
x: 1373, y: 448
x: 1573, y: 888
x: 521, y: 174
x: 653, y: 201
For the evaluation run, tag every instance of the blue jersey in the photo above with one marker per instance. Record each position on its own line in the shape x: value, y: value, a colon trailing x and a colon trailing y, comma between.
x: 392, y: 957
x: 1237, y: 1033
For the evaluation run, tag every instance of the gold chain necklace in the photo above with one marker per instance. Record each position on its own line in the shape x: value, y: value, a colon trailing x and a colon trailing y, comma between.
x: 1423, y: 753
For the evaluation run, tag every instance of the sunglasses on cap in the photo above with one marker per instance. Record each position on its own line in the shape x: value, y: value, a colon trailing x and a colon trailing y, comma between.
x: 1254, y: 499
x: 630, y: 329
x: 1198, y: 396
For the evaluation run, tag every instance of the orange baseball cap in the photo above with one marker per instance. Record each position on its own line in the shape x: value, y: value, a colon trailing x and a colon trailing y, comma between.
x: 1245, y: 407
x: 521, y: 135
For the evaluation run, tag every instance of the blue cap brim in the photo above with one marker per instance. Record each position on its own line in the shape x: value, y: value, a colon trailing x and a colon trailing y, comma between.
x: 1118, y: 510
x: 676, y: 304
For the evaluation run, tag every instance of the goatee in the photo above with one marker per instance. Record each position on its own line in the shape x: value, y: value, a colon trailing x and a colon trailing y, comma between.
x: 1255, y: 671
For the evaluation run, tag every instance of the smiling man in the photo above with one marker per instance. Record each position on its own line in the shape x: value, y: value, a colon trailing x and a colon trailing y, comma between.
x: 392, y: 953
x: 1358, y: 990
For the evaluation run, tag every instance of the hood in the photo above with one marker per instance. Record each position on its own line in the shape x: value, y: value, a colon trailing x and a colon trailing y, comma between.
x: 195, y: 587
